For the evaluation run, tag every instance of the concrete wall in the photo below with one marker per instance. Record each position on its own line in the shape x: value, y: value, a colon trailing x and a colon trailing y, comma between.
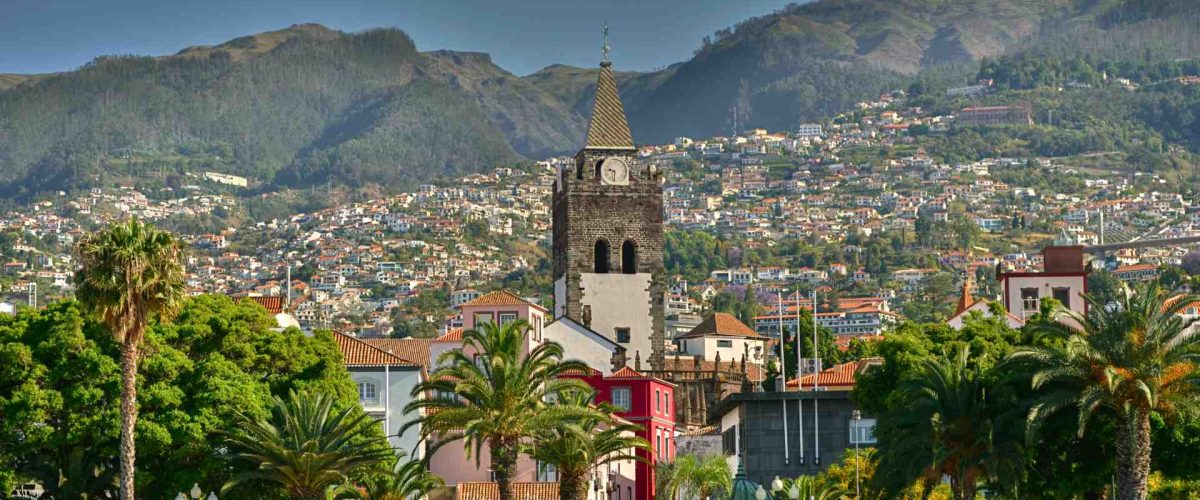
x: 759, y: 422
x: 621, y: 301
x: 1045, y: 285
x: 390, y: 407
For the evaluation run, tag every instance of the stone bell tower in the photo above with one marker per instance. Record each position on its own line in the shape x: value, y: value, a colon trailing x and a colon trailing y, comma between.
x: 608, y: 233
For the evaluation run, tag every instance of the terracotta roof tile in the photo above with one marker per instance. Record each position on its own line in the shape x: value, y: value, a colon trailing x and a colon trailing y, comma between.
x: 490, y: 491
x: 500, y: 298
x: 721, y: 325
x: 273, y: 305
x: 608, y: 128
x: 455, y: 335
x: 626, y: 372
x: 840, y: 376
x: 355, y: 352
x: 414, y: 350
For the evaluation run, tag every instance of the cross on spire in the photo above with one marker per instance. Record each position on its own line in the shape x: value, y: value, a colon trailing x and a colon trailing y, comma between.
x: 605, y: 46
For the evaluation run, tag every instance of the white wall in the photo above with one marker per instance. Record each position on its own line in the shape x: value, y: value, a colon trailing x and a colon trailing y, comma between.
x: 1045, y: 286
x: 392, y: 402
x: 620, y: 301
x: 707, y: 348
x: 581, y: 344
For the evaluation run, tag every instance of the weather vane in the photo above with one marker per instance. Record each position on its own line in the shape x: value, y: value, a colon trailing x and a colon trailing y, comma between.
x: 605, y: 46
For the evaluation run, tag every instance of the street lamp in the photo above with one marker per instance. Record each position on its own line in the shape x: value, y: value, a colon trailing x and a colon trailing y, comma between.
x: 760, y: 493
x: 195, y: 492
x: 794, y: 493
x: 777, y: 485
x: 857, y: 416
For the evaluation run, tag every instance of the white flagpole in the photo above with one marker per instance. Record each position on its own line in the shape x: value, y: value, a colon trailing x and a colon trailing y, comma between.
x: 787, y: 459
x: 816, y: 373
x: 799, y: 370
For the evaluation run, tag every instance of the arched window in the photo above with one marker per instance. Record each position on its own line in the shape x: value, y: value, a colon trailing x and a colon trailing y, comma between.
x: 601, y: 256
x: 629, y: 257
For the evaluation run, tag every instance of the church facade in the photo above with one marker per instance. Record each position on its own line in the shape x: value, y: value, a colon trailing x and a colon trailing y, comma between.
x: 608, y: 235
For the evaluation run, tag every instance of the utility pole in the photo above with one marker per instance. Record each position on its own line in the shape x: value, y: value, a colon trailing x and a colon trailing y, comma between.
x: 33, y: 294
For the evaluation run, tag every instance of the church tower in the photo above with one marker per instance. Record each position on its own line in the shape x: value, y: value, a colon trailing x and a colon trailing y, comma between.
x: 608, y: 234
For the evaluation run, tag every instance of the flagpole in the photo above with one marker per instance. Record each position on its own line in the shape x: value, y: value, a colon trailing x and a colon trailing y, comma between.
x: 799, y: 365
x: 787, y: 460
x: 816, y: 384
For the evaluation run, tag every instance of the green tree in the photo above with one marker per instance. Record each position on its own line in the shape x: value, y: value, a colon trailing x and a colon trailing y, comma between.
x: 60, y: 381
x: 812, y: 488
x: 694, y: 477
x: 306, y: 447
x: 584, y: 443
x: 408, y: 479
x: 1122, y: 363
x: 948, y: 426
x: 500, y: 397
x: 130, y: 273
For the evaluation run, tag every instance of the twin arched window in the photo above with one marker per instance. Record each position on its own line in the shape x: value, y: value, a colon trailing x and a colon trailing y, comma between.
x: 601, y: 253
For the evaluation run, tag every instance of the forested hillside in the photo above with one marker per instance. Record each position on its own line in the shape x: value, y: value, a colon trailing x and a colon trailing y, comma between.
x: 295, y: 107
x: 312, y: 106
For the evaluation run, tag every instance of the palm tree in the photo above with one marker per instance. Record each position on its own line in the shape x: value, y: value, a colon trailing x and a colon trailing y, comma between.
x: 583, y: 444
x: 498, y: 398
x: 130, y: 272
x: 695, y: 477
x: 946, y: 426
x: 306, y: 447
x: 808, y: 487
x: 408, y: 479
x: 1125, y: 359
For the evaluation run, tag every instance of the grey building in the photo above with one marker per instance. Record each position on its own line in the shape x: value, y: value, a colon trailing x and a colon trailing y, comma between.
x: 752, y: 424
x: 385, y: 372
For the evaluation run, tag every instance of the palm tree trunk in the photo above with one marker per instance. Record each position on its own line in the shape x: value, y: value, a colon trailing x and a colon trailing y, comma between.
x: 1133, y: 456
x: 129, y: 368
x: 504, y: 465
x: 572, y: 487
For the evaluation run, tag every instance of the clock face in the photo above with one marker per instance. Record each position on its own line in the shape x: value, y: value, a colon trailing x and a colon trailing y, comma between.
x: 614, y: 171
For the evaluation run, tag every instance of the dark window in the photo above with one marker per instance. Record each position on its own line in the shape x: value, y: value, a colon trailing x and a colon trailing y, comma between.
x: 623, y: 335
x: 729, y: 441
x: 724, y: 343
x: 1029, y: 299
x: 601, y: 256
x: 1063, y: 295
x: 629, y: 257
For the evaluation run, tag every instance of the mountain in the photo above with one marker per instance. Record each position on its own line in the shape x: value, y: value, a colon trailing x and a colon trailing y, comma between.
x: 812, y: 60
x: 299, y: 106
x: 307, y: 105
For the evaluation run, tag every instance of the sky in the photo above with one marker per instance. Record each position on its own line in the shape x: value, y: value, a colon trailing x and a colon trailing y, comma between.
x: 42, y: 36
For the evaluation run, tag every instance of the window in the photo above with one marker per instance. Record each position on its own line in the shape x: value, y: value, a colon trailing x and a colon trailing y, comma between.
x: 507, y: 317
x: 658, y: 401
x: 368, y: 393
x: 862, y: 431
x: 729, y: 441
x: 724, y: 343
x: 657, y: 441
x: 666, y: 403
x: 1062, y: 295
x: 481, y: 318
x: 629, y: 257
x: 600, y: 254
x: 537, y: 328
x: 622, y: 335
x: 620, y: 398
x: 1029, y: 299
x: 547, y: 472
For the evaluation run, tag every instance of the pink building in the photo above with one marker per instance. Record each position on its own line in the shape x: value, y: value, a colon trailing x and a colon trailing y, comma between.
x: 648, y: 402
x: 1063, y: 277
x: 451, y: 462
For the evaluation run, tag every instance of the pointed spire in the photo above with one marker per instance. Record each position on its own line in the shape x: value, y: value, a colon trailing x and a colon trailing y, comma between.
x: 637, y: 360
x: 965, y: 300
x: 608, y: 128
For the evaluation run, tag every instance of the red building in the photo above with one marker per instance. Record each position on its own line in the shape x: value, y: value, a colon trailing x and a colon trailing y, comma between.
x: 648, y: 402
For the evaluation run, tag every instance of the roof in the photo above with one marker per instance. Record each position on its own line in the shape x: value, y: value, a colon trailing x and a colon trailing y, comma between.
x: 608, y: 128
x: 843, y: 341
x: 965, y: 300
x: 355, y: 352
x: 706, y: 430
x: 840, y: 376
x: 688, y: 364
x: 414, y: 350
x: 720, y: 325
x: 500, y: 298
x: 454, y: 335
x: 491, y: 491
x: 273, y: 304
